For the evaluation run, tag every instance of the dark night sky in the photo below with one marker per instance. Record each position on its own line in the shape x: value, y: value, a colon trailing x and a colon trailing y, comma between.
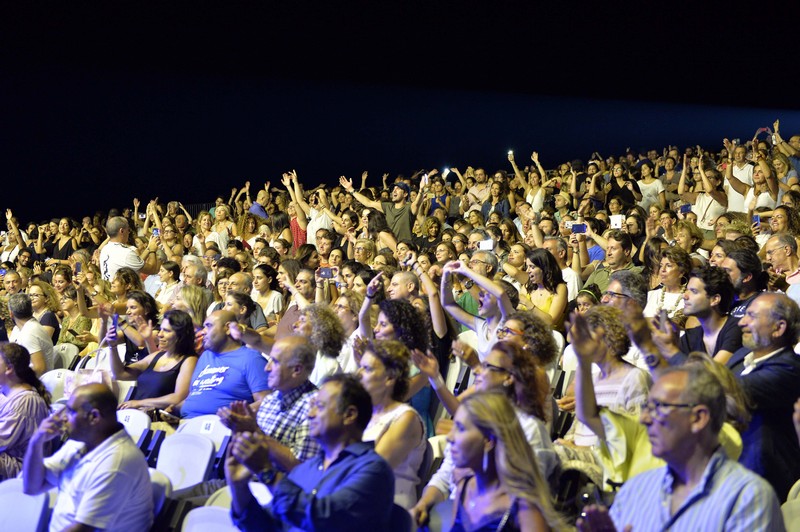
x: 189, y: 99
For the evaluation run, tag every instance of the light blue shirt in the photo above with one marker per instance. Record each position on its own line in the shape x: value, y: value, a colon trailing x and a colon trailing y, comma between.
x: 728, y: 498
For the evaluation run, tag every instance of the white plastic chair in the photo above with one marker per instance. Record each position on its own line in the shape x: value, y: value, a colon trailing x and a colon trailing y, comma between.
x: 209, y: 426
x: 186, y: 459
x: 791, y: 515
x: 64, y: 355
x: 209, y: 519
x: 54, y: 382
x: 794, y: 493
x: 123, y: 389
x: 222, y: 497
x: 136, y: 423
x: 22, y: 513
x: 162, y: 488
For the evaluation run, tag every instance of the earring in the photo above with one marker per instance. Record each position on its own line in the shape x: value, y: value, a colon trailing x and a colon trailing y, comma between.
x: 485, y: 460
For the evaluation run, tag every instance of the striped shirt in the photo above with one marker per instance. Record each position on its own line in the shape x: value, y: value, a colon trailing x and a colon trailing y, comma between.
x: 729, y: 497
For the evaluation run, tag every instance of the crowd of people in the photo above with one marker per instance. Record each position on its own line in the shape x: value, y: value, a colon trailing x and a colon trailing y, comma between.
x: 335, y: 329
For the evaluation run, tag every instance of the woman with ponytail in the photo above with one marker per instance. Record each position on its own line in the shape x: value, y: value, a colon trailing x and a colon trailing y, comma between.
x: 27, y: 404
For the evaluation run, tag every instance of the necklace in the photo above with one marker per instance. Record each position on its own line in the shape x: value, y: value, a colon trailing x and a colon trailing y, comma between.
x: 677, y: 302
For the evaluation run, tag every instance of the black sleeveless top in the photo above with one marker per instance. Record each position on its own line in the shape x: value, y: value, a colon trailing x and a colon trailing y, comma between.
x: 152, y: 383
x: 489, y: 523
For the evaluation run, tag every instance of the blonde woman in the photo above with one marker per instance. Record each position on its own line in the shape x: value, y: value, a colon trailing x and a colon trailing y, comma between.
x: 507, y: 490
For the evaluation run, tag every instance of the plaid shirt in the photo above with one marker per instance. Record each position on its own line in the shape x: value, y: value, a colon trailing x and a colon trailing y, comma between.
x: 284, y: 417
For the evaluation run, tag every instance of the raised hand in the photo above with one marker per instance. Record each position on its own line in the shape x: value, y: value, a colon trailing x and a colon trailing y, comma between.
x: 728, y: 146
x: 465, y: 353
x: 375, y: 285
x: 426, y: 362
x: 585, y: 341
x: 535, y: 157
x: 347, y: 184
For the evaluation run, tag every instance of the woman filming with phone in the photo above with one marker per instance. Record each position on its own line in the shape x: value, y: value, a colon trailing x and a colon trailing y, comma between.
x: 163, y: 377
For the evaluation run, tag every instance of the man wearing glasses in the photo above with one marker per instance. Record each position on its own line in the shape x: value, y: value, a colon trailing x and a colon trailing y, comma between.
x: 781, y: 254
x: 700, y: 488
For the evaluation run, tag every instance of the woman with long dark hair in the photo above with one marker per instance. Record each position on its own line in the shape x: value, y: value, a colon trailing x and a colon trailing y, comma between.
x: 546, y: 289
x: 265, y: 289
x: 163, y: 377
x: 379, y: 232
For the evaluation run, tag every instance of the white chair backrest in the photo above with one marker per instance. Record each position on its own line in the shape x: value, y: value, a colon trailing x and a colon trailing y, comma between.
x: 209, y: 519
x: 64, y: 353
x: 54, y: 382
x: 222, y: 497
x: 794, y: 493
x: 209, y: 426
x: 162, y: 488
x: 22, y: 513
x: 135, y: 422
x: 791, y: 515
x: 123, y: 387
x: 186, y: 459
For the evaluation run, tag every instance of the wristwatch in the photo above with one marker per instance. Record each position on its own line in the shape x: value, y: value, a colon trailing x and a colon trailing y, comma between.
x: 267, y: 476
x: 468, y: 284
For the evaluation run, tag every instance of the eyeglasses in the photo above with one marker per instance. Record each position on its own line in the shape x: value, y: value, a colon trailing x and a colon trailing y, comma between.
x: 771, y: 251
x: 472, y: 262
x: 491, y: 367
x: 661, y: 408
x: 502, y: 332
x: 610, y: 294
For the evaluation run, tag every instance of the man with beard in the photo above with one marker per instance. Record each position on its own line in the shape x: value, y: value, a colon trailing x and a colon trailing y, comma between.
x: 399, y: 212
x: 708, y: 296
x: 618, y: 257
x: 747, y: 275
x: 769, y: 371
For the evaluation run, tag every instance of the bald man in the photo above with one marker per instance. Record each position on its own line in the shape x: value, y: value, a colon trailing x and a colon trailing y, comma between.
x: 102, y: 477
x: 226, y: 372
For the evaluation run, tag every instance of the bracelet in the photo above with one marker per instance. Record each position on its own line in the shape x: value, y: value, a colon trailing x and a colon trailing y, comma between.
x: 437, y: 382
x: 371, y: 296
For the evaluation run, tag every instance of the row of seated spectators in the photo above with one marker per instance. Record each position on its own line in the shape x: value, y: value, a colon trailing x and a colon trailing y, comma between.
x: 431, y: 291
